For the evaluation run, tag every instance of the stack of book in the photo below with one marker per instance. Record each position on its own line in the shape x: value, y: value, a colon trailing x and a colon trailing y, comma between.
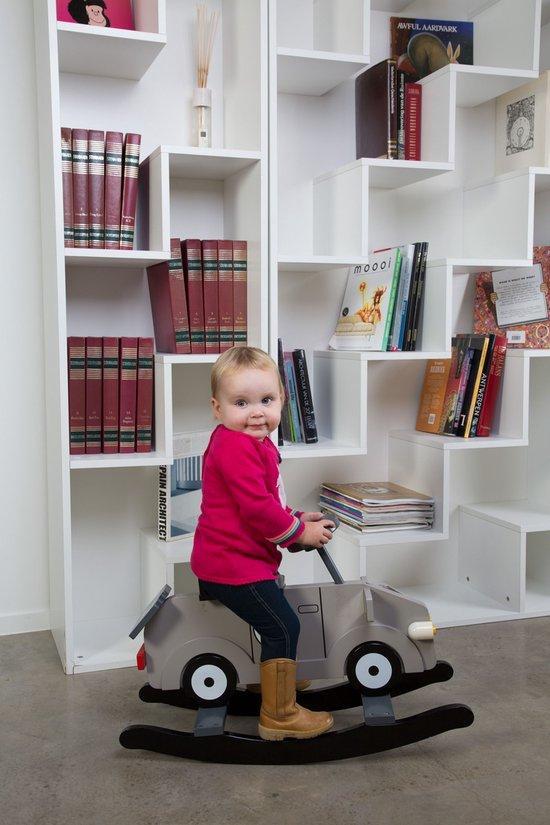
x: 100, y: 183
x: 377, y: 506
x: 199, y: 297
x: 298, y: 416
x: 459, y: 394
x: 110, y: 395
x: 382, y: 303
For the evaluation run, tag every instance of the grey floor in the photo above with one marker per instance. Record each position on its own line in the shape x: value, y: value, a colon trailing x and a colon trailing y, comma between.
x: 60, y: 761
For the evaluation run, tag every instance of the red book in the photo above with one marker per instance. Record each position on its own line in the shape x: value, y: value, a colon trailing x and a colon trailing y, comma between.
x: 144, y: 404
x: 81, y: 215
x: 127, y: 395
x: 109, y: 441
x: 93, y: 395
x: 96, y: 187
x: 225, y: 293
x: 413, y: 121
x: 239, y: 293
x: 129, y: 190
x: 192, y: 272
x: 67, y: 171
x: 169, y: 303
x: 210, y: 292
x: 113, y: 189
x: 76, y: 356
x: 493, y: 385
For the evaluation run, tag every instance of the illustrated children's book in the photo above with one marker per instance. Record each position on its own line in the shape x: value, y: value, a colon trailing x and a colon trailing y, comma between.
x: 180, y: 487
x: 421, y: 47
x: 367, y: 309
x: 116, y: 14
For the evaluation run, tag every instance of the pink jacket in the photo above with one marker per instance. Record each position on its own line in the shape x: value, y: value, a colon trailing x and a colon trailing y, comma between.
x: 242, y: 516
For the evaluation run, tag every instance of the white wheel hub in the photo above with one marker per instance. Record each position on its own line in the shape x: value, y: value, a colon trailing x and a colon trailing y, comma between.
x: 209, y: 682
x: 373, y: 670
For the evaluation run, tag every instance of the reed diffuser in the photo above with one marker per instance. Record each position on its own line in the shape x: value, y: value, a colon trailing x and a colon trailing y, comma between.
x: 202, y: 95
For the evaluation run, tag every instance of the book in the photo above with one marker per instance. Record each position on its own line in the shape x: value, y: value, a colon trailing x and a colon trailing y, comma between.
x: 401, y: 84
x: 413, y: 291
x: 376, y: 111
x: 144, y: 396
x: 432, y: 397
x: 480, y: 394
x: 76, y: 357
x: 477, y: 348
x: 94, y: 408
x: 169, y: 303
x: 304, y: 397
x: 365, y: 318
x: 113, y: 189
x: 67, y: 173
x: 179, y: 486
x: 416, y: 313
x: 239, y: 293
x: 397, y: 334
x: 127, y: 395
x: 192, y: 273
x: 294, y: 407
x: 225, y: 294
x: 81, y: 215
x: 115, y: 14
x: 210, y: 296
x: 515, y: 303
x: 284, y: 431
x: 96, y: 188
x: 494, y: 381
x: 376, y: 493
x: 466, y: 365
x: 420, y: 46
x: 453, y: 383
x: 130, y: 173
x: 111, y: 377
x: 413, y: 121
x: 522, y: 135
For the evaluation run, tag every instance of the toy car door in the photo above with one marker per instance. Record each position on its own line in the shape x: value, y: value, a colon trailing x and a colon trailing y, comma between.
x: 305, y: 600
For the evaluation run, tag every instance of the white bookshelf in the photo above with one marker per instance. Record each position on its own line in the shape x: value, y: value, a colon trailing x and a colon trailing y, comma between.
x: 282, y: 173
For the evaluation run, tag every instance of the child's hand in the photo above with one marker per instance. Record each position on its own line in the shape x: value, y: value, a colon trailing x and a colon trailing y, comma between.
x: 316, y: 533
x: 312, y: 516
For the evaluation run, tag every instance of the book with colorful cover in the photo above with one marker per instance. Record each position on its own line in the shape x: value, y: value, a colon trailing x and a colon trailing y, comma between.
x: 116, y: 14
x: 421, y: 46
x: 432, y: 397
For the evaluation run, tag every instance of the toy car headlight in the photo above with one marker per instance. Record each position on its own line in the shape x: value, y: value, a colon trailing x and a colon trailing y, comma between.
x: 421, y: 631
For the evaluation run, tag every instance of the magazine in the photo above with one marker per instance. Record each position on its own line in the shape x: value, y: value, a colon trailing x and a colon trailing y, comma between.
x: 376, y: 493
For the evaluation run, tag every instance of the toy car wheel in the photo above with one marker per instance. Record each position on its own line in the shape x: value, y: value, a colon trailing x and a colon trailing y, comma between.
x: 209, y: 680
x: 373, y: 668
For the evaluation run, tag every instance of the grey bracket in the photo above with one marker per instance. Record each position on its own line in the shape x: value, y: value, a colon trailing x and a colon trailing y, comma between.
x: 378, y: 710
x: 210, y: 721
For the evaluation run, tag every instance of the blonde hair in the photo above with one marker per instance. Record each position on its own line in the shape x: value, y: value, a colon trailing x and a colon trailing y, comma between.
x: 242, y: 358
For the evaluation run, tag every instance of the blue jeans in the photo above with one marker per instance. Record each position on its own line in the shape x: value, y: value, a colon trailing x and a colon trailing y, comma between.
x: 262, y: 605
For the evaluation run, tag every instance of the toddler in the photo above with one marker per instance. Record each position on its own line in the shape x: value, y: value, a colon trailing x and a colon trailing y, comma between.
x: 244, y: 516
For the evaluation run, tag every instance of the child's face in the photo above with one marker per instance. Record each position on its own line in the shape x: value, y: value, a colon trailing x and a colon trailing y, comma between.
x: 249, y: 401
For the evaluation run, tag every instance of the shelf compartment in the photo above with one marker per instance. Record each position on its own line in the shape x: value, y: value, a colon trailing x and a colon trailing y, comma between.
x: 389, y: 356
x: 116, y: 460
x: 165, y: 562
x: 324, y: 448
x: 388, y: 537
x: 206, y: 164
x: 104, y: 644
x: 171, y: 358
x: 308, y: 72
x: 448, y: 442
x: 457, y: 605
x: 135, y: 259
x: 522, y: 516
x: 339, y: 389
x: 317, y: 263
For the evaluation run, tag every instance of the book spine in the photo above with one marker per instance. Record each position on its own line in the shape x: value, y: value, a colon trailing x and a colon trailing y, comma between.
x: 67, y: 173
x: 464, y: 378
x: 475, y: 363
x: 130, y: 175
x: 113, y: 189
x: 93, y: 395
x: 239, y: 293
x: 96, y: 187
x: 475, y: 379
x: 192, y: 271
x: 392, y: 109
x: 304, y: 397
x: 407, y: 327
x: 76, y: 356
x: 169, y: 303
x: 401, y: 300
x: 417, y: 312
x: 80, y: 188
x: 144, y: 397
x: 284, y: 433
x: 293, y: 400
x: 401, y: 115
x: 225, y: 293
x: 451, y: 390
x: 162, y: 501
x: 391, y: 302
x: 413, y: 121
x: 211, y: 299
x: 128, y: 381
x: 110, y: 436
x: 493, y: 385
x: 478, y: 403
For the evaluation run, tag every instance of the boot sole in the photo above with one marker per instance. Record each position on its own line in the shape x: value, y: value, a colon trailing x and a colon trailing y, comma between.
x: 278, y: 735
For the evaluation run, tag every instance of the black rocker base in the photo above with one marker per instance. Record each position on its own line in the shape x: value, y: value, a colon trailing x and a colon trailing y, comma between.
x: 336, y: 697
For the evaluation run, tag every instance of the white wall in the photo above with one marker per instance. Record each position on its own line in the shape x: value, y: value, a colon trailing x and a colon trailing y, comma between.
x: 24, y: 589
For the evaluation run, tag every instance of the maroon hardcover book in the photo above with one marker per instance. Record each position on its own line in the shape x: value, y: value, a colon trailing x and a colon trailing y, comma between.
x: 376, y: 111
x: 113, y: 189
x: 225, y: 293
x: 111, y: 370
x: 210, y: 292
x: 144, y: 403
x: 67, y: 172
x: 192, y: 271
x: 494, y: 381
x: 239, y: 293
x: 413, y: 121
x: 94, y: 412
x: 169, y: 303
x: 127, y: 395
x: 129, y: 190
x: 81, y: 215
x: 76, y: 356
x: 96, y: 187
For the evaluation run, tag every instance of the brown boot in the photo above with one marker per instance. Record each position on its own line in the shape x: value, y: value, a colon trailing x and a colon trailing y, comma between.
x: 301, y: 684
x: 280, y: 716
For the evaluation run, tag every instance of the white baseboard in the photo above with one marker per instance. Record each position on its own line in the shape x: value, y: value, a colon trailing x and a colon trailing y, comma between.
x: 11, y: 623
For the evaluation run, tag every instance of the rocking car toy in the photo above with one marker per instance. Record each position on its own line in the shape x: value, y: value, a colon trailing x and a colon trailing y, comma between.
x: 197, y: 652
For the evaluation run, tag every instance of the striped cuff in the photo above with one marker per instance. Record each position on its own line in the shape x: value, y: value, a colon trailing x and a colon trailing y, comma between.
x: 295, y: 529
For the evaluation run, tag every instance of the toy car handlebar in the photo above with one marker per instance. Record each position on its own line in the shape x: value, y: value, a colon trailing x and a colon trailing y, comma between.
x: 323, y: 552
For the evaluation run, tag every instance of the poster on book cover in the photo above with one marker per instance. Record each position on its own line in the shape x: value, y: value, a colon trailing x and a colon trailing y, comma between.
x: 422, y: 46
x: 116, y: 14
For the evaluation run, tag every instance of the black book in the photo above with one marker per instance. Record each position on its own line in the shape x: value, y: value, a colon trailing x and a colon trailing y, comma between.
x: 376, y: 111
x: 419, y: 294
x: 478, y: 405
x: 305, y: 399
x: 476, y: 345
x: 415, y: 272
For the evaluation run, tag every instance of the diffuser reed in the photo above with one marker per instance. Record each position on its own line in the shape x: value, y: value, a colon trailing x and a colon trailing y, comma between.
x: 202, y: 95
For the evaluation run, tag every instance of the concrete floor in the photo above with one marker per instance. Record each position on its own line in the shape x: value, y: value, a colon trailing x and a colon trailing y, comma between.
x: 60, y: 761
